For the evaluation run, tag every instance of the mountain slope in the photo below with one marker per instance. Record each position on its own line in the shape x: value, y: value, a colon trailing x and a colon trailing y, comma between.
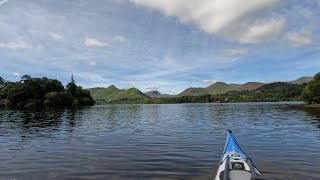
x: 221, y: 87
x: 249, y: 86
x: 194, y: 91
x: 153, y: 93
x: 216, y: 88
x: 302, y: 80
x: 127, y: 95
x: 104, y: 93
x: 113, y: 94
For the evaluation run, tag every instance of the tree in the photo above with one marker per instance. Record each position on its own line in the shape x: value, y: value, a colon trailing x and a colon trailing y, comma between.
x: 25, y: 77
x: 311, y: 93
x: 2, y: 81
x: 72, y: 88
x: 72, y: 79
x: 36, y: 92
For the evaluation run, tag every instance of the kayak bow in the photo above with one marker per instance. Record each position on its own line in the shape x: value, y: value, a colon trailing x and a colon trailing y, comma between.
x: 234, y: 164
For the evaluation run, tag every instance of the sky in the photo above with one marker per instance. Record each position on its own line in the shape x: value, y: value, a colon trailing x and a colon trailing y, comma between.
x: 160, y: 45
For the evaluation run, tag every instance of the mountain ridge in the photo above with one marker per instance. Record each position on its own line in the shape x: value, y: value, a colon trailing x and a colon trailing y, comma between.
x: 222, y: 87
x: 113, y: 94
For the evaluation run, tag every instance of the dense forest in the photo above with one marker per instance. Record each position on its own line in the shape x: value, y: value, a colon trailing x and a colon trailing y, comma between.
x: 278, y: 91
x: 311, y: 93
x: 38, y: 92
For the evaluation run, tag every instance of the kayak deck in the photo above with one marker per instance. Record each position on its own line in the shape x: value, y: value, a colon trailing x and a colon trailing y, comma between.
x: 234, y: 165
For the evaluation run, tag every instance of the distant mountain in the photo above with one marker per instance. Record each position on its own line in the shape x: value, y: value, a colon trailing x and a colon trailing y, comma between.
x: 221, y: 87
x: 157, y: 94
x: 113, y: 94
x: 93, y: 90
x: 194, y: 91
x: 103, y: 94
x: 302, y: 80
x: 153, y: 93
x: 249, y: 86
x: 216, y: 88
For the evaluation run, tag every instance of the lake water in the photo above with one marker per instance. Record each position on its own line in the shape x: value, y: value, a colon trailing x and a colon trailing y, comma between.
x: 177, y: 141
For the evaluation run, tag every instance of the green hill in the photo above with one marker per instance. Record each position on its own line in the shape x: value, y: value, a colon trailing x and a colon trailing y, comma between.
x: 95, y: 89
x: 249, y: 86
x: 216, y: 88
x: 127, y: 95
x: 157, y: 94
x: 112, y: 94
x: 302, y: 80
x: 153, y: 93
x: 194, y: 91
x: 103, y: 94
x: 221, y: 87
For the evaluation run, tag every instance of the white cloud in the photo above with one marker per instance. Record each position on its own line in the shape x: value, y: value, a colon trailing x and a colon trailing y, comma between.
x: 301, y: 38
x: 152, y: 88
x: 92, y: 63
x: 222, y: 17
x: 94, y: 42
x: 2, y: 2
x: 55, y: 36
x: 233, y: 52
x: 87, y: 76
x: 119, y: 39
x: 261, y: 31
x: 14, y: 45
x: 305, y: 12
x: 16, y: 74
x: 211, y: 81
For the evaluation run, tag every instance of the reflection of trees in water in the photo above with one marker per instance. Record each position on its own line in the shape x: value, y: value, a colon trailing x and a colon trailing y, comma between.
x: 24, y: 127
x: 29, y: 124
x: 315, y: 113
x: 72, y: 117
x: 37, y: 122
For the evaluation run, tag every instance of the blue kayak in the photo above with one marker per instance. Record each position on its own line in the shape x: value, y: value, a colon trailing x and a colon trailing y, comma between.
x: 234, y: 164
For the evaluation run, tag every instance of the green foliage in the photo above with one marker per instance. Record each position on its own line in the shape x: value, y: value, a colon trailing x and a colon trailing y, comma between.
x: 58, y: 98
x: 311, y: 93
x: 36, y: 92
x: 220, y: 88
x: 266, y: 93
x: 115, y: 95
x: 25, y: 77
x: 1, y: 81
x: 71, y: 88
x: 6, y: 87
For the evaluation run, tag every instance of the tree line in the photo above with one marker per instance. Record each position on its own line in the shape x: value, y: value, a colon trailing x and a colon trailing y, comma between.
x: 311, y: 93
x: 33, y: 92
x: 273, y: 92
x: 38, y: 92
x: 280, y: 91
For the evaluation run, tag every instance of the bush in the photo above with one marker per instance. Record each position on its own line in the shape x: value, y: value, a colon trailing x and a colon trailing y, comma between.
x: 87, y: 101
x: 311, y: 93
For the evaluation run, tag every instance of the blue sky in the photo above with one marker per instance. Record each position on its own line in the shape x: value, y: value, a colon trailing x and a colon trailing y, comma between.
x: 160, y: 45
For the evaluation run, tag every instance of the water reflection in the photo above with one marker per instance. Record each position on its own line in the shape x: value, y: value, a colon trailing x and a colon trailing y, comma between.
x: 315, y: 116
x: 182, y: 141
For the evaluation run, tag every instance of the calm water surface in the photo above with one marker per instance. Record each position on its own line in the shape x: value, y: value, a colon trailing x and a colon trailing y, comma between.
x: 182, y: 141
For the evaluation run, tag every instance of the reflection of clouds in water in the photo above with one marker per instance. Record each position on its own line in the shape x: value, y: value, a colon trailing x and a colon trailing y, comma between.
x: 182, y: 141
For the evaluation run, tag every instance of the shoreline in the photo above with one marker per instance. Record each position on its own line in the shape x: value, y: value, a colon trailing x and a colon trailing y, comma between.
x: 305, y: 106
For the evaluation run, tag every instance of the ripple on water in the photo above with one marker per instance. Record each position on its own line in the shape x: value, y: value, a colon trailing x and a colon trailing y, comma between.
x: 176, y: 141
